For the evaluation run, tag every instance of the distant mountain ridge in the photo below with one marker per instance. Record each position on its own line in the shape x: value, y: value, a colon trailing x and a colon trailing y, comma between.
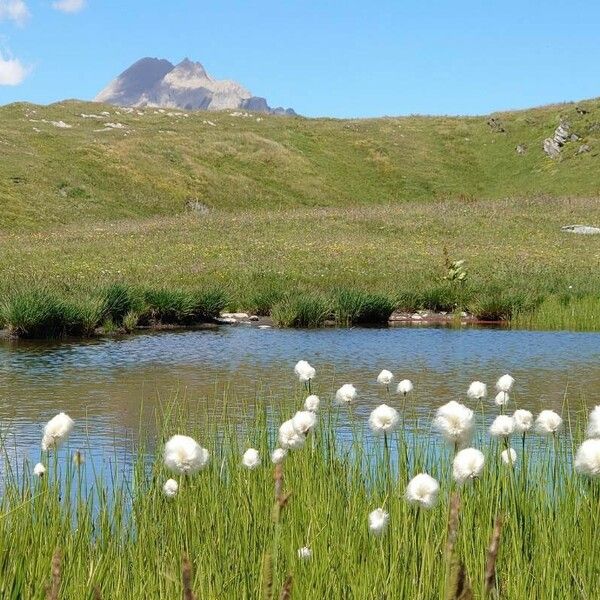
x: 155, y: 82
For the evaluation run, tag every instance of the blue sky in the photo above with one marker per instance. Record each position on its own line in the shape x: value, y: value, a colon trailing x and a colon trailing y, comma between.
x: 344, y: 59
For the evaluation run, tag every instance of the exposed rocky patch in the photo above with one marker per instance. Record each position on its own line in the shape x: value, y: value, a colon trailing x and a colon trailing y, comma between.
x: 582, y: 229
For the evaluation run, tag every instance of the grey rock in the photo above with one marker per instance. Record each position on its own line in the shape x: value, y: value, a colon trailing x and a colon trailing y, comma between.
x: 157, y: 83
x: 573, y: 137
x: 583, y: 149
x: 582, y: 229
x: 551, y: 148
x: 264, y: 327
x: 226, y: 320
x: 253, y: 318
x: 562, y: 133
x: 521, y: 149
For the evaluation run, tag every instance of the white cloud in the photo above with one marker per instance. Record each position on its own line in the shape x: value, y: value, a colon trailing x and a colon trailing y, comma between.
x: 69, y: 6
x: 14, y: 10
x: 12, y: 71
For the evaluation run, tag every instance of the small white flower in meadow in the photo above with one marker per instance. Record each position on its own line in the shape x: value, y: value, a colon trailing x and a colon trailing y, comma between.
x: 502, y: 426
x: 405, y: 387
x: 523, y: 420
x: 251, y: 459
x: 184, y: 455
x: 278, y: 455
x: 39, y: 470
x: 303, y: 421
x: 477, y: 390
x: 593, y: 428
x: 312, y: 403
x: 56, y: 431
x: 304, y: 371
x: 467, y: 465
x: 384, y: 419
x: 346, y: 394
x: 509, y: 457
x: 170, y: 488
x: 548, y: 422
x: 378, y: 521
x: 455, y: 422
x: 304, y: 553
x: 385, y: 377
x: 505, y: 383
x: 501, y: 399
x: 422, y: 490
x: 587, y: 459
x: 289, y: 438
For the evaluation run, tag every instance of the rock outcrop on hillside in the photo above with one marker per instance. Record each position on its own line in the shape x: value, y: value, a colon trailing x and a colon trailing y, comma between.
x: 155, y: 82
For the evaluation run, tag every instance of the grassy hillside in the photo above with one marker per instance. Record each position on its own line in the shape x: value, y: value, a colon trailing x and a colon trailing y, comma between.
x: 157, y: 164
x: 289, y: 215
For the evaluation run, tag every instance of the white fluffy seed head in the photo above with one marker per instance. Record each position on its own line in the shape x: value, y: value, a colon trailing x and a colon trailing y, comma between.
x: 183, y: 455
x: 347, y: 394
x: 405, y: 387
x: 39, y: 470
x: 505, y: 383
x: 56, y: 431
x: 170, y: 488
x: 548, y: 422
x: 477, y: 390
x: 523, y: 420
x: 385, y: 377
x: 278, y: 455
x: 304, y: 421
x: 304, y: 371
x: 289, y: 438
x: 251, y: 458
x: 455, y: 422
x: 502, y: 426
x: 587, y: 459
x: 384, y: 419
x: 304, y: 553
x: 312, y: 403
x: 467, y: 465
x: 593, y: 428
x: 378, y: 521
x: 422, y: 490
x: 501, y: 399
x: 509, y: 457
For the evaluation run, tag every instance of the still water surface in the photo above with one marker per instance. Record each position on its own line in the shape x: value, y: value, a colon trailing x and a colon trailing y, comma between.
x: 111, y: 387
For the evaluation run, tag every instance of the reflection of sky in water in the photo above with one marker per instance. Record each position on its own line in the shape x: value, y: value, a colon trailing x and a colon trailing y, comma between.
x: 115, y: 385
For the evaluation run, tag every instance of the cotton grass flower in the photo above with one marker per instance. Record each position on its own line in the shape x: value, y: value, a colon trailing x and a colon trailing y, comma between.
x: 289, y: 438
x: 278, y: 455
x: 385, y: 377
x: 183, y: 455
x: 505, y: 383
x: 509, y: 457
x: 170, y: 488
x: 455, y: 422
x: 304, y: 553
x: 251, y: 459
x: 593, y: 428
x: 312, y: 403
x: 347, y: 394
x: 422, y: 490
x: 384, y: 419
x: 587, y: 459
x: 404, y: 387
x: 304, y: 371
x: 467, y: 465
x: 378, y: 521
x: 303, y: 421
x: 502, y: 427
x: 477, y: 390
x: 523, y: 420
x: 548, y: 422
x: 56, y: 431
x: 501, y: 399
x: 39, y: 470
